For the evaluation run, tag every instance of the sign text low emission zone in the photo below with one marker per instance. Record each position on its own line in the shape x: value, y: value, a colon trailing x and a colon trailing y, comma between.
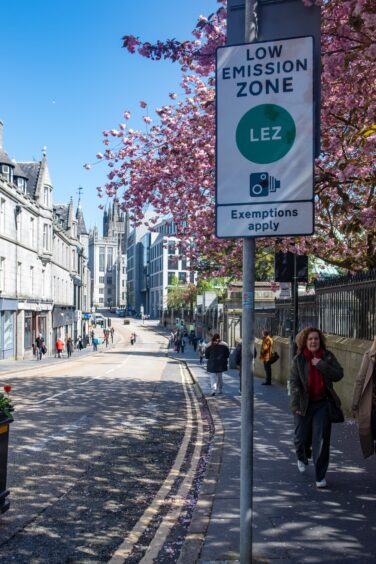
x: 265, y: 139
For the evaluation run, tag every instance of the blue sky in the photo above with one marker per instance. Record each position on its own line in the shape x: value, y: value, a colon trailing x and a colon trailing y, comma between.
x: 66, y: 78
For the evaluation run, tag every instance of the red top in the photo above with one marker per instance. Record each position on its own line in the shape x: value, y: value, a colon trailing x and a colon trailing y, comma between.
x: 316, y: 383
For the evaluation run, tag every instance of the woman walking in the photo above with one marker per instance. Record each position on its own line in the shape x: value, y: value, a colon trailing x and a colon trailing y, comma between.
x: 266, y: 351
x: 217, y: 354
x: 313, y: 371
x: 364, y: 401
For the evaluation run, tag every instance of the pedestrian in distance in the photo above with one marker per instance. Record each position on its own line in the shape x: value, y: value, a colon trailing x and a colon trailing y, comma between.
x: 59, y: 346
x: 364, y: 402
x: 217, y: 354
x: 266, y: 352
x: 39, y: 345
x: 106, y: 335
x: 69, y: 347
x: 95, y: 343
x: 194, y: 342
x: 313, y: 371
x: 112, y: 334
x: 182, y: 346
x: 79, y: 343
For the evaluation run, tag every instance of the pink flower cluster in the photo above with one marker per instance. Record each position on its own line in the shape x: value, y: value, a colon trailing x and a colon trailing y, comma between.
x: 171, y: 168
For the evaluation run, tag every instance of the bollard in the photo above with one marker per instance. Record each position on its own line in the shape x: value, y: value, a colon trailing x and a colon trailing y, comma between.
x: 5, y: 420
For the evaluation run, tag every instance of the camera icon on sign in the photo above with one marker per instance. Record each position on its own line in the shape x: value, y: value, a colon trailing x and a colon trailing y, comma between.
x: 261, y: 184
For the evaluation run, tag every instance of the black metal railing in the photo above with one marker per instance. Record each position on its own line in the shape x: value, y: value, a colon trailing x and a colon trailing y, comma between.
x: 343, y: 306
x: 347, y: 305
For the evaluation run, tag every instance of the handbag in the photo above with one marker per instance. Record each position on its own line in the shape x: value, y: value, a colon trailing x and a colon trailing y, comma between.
x: 274, y: 358
x: 335, y: 412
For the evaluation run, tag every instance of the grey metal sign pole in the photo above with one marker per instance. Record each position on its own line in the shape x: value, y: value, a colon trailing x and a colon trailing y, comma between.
x: 248, y: 335
x: 242, y: 28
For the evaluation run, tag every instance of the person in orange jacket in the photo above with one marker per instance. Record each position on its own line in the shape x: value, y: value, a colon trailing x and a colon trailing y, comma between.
x: 59, y: 345
x: 266, y: 355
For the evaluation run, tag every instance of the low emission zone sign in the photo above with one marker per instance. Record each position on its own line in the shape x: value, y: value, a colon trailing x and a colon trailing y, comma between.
x: 265, y: 145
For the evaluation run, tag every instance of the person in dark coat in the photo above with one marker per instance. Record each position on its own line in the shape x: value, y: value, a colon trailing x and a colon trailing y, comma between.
x: 39, y: 342
x: 364, y: 402
x: 217, y: 354
x: 313, y: 371
x: 69, y: 346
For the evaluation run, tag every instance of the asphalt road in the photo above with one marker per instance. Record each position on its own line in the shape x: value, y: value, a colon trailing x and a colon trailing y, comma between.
x: 93, y: 442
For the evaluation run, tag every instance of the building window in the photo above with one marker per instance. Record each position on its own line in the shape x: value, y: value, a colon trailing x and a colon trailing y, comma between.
x: 109, y: 280
x: 171, y: 278
x: 101, y: 280
x: 182, y: 277
x: 31, y: 280
x: 192, y: 277
x: 7, y: 171
x: 109, y: 291
x: 102, y: 259
x: 32, y: 224
x: 171, y: 247
x: 2, y: 274
x: 45, y: 237
x: 19, y: 277
x: 184, y: 264
x: 22, y: 184
x: 110, y: 252
x: 101, y: 290
x: 46, y: 194
x: 173, y: 262
x: 2, y: 215
x: 100, y: 300
x: 27, y: 333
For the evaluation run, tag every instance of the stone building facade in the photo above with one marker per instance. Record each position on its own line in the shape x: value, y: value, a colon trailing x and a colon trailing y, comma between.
x: 154, y: 265
x: 38, y: 258
x: 108, y: 259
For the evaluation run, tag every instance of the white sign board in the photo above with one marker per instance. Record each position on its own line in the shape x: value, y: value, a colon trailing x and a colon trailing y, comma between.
x: 265, y: 145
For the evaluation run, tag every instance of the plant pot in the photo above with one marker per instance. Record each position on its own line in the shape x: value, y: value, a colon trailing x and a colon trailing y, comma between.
x: 5, y: 420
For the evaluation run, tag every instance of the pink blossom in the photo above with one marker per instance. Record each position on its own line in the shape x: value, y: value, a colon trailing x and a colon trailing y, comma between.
x: 87, y: 166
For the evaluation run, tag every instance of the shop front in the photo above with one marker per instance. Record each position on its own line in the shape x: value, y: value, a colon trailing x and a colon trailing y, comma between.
x: 33, y: 320
x: 63, y: 322
x: 8, y: 310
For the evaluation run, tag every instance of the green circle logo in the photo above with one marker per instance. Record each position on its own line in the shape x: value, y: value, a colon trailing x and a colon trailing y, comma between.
x: 265, y: 134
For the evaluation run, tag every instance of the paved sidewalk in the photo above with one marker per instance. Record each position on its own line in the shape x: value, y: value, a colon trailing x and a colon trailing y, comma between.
x: 8, y: 367
x: 293, y: 522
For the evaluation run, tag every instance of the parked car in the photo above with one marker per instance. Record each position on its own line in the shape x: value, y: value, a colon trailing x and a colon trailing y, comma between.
x: 121, y: 312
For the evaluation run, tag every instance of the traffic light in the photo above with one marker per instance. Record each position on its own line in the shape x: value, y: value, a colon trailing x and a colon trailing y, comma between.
x: 284, y: 267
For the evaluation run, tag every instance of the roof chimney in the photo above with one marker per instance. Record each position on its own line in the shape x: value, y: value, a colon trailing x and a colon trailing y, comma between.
x: 1, y: 134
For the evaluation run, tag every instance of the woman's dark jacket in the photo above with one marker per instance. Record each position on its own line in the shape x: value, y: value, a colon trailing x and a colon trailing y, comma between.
x: 331, y: 371
x: 217, y: 356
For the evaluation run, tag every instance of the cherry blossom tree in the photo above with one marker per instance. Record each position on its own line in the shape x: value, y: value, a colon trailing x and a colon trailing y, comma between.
x: 170, y: 166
